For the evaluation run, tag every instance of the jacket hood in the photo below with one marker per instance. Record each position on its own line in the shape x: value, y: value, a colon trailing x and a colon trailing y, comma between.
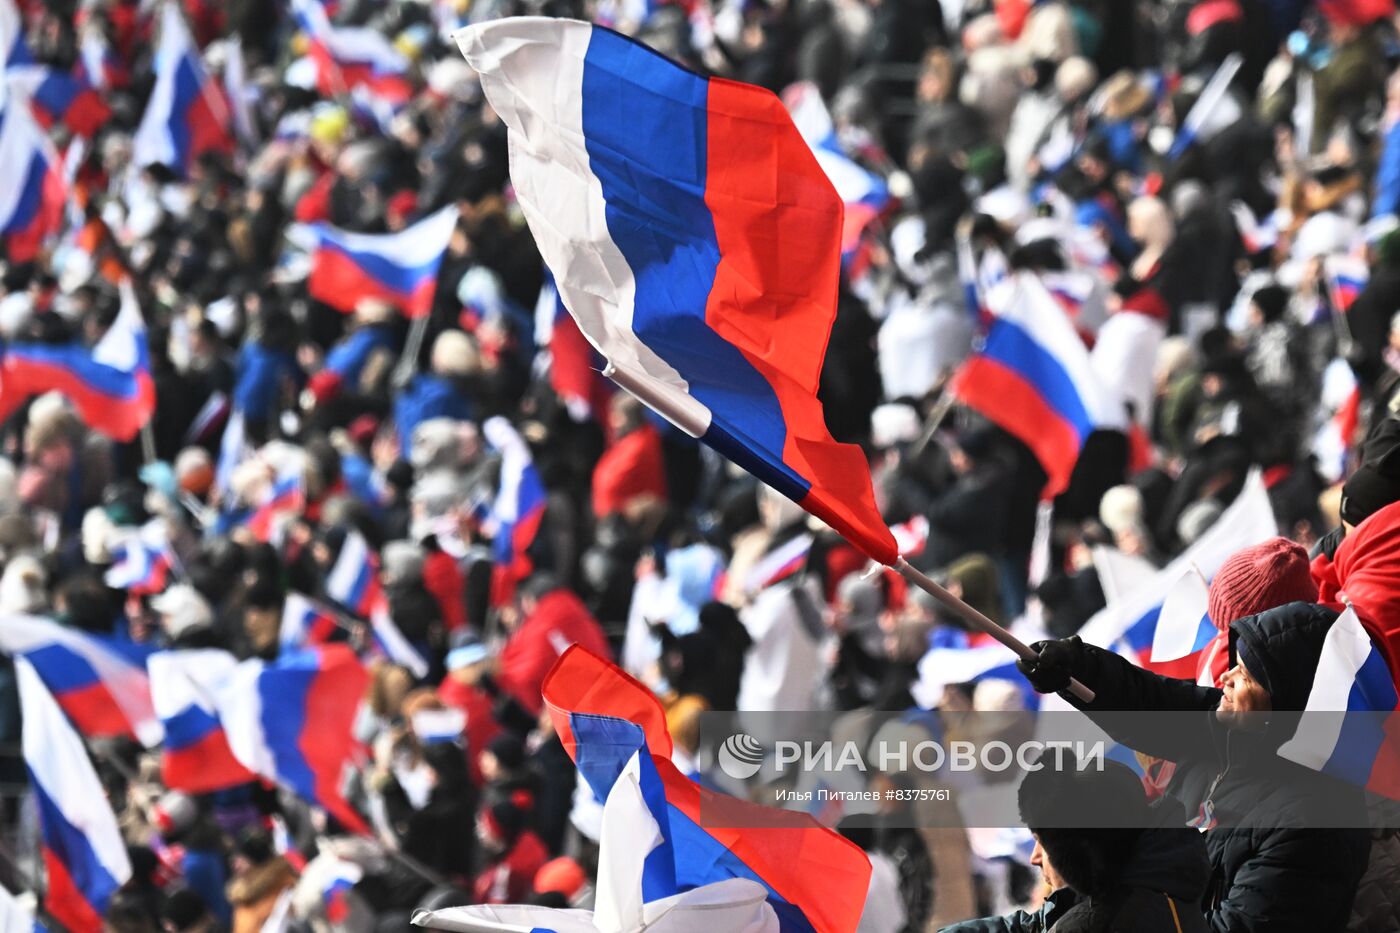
x: 1281, y: 648
x: 1366, y: 575
x: 1172, y: 861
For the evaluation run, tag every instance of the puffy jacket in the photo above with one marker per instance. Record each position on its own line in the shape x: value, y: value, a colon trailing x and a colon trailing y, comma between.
x: 1266, y: 872
x: 1159, y: 892
x: 1365, y: 573
x: 1377, y: 905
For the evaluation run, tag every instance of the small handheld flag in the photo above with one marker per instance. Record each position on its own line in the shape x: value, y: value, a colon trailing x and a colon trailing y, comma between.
x: 400, y: 268
x: 186, y: 115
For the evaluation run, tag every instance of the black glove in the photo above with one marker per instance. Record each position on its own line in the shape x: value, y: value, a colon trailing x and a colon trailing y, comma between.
x: 1054, y: 665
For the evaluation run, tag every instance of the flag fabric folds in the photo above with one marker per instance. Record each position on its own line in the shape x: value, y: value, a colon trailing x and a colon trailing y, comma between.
x: 186, y: 115
x: 351, y: 58
x: 1350, y: 728
x: 104, y: 691
x: 1033, y: 377
x: 33, y: 193
x: 292, y: 721
x: 400, y: 268
x: 1184, y: 632
x: 864, y: 194
x: 84, y: 855
x: 110, y: 384
x: 814, y: 879
x: 305, y: 622
x: 143, y: 559
x: 694, y: 238
x: 196, y: 757
x: 1129, y: 625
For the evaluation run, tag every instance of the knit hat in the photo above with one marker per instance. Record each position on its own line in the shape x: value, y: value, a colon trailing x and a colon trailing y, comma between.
x: 174, y: 813
x: 1261, y: 577
x: 455, y: 354
x: 1120, y: 509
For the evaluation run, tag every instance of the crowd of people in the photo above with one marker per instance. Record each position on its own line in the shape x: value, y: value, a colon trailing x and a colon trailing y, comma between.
x: 1232, y: 268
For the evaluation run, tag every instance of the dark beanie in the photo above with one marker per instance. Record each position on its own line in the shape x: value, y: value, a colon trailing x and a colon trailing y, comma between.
x: 1376, y: 483
x: 508, y: 749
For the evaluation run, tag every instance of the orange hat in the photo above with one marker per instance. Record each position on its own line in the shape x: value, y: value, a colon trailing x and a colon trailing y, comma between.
x: 561, y: 875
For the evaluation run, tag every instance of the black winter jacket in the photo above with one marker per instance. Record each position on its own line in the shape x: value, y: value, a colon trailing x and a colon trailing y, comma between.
x: 1268, y: 873
x: 1158, y: 892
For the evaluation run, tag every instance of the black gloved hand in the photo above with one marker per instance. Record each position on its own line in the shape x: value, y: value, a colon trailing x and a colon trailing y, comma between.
x: 1051, y: 671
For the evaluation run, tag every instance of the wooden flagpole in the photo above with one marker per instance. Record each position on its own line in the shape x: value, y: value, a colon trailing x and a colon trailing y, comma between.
x: 979, y: 621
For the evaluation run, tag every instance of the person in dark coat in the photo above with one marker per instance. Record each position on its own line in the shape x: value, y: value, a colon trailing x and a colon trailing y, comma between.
x: 1269, y: 870
x: 970, y: 516
x: 709, y: 661
x: 1111, y: 871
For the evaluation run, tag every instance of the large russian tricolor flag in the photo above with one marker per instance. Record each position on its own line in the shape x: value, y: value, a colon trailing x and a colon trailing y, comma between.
x: 84, y: 854
x: 1033, y: 377
x: 608, y: 722
x: 1351, y: 728
x: 103, y: 689
x: 110, y: 384
x: 865, y: 194
x: 33, y: 193
x: 292, y: 721
x: 694, y: 238
x: 196, y: 757
x: 400, y: 268
x: 186, y: 115
x: 517, y: 511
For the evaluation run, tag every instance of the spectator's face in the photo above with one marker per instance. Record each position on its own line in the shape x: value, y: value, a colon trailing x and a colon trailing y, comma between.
x: 1243, y: 694
x: 1047, y: 871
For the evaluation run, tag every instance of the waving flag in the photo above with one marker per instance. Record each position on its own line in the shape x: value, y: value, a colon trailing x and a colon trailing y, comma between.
x: 696, y: 241
x: 1349, y: 726
x: 292, y: 721
x: 1256, y: 235
x: 32, y: 190
x: 518, y: 509
x: 351, y: 57
x: 780, y: 563
x: 103, y: 689
x: 12, y: 45
x: 1213, y: 110
x: 57, y: 97
x: 963, y: 660
x: 196, y: 757
x: 98, y: 64
x: 110, y: 384
x: 400, y: 268
x: 305, y: 622
x: 865, y: 194
x: 186, y: 115
x: 1033, y: 377
x: 1184, y: 632
x: 287, y: 495
x: 143, y: 561
x: 84, y: 855
x: 575, y: 368
x: 610, y: 723
x: 354, y: 583
x: 1129, y: 625
x: 1346, y: 278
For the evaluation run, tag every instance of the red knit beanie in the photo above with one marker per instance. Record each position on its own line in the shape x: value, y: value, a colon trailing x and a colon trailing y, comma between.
x: 1261, y: 577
